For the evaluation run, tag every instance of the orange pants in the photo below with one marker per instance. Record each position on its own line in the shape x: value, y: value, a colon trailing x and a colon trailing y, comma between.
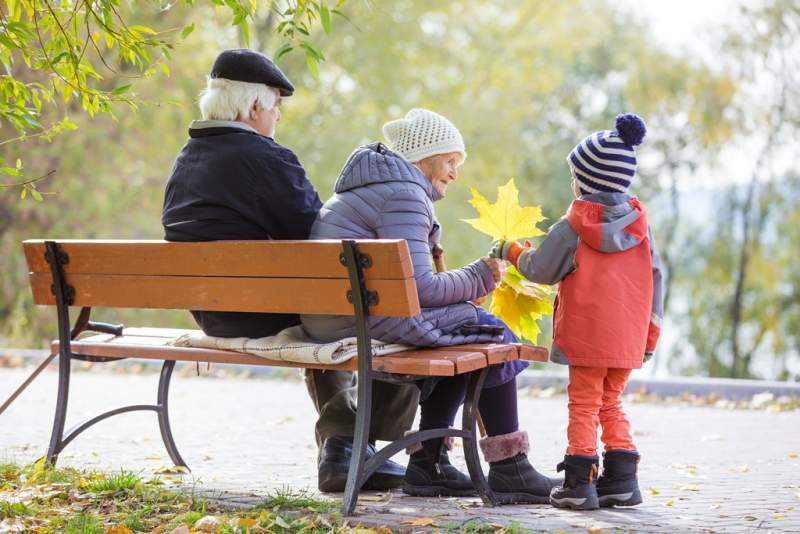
x: 594, y: 398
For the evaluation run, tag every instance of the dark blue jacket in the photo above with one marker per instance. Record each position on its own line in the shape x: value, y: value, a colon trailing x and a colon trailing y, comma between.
x: 229, y: 182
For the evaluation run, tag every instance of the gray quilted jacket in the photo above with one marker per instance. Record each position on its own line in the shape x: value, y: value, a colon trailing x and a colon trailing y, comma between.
x: 379, y: 195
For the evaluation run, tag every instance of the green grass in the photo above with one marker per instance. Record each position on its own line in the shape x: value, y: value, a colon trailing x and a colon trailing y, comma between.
x: 288, y: 499
x: 15, y: 509
x: 135, y: 522
x: 122, y: 481
x: 83, y: 524
x: 8, y: 472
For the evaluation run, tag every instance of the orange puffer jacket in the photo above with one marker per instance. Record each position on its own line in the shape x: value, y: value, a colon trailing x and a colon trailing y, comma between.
x: 609, y: 305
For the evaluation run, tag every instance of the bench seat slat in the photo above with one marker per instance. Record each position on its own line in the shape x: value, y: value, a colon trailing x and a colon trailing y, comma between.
x: 495, y: 352
x: 396, y: 298
x: 532, y: 353
x: 151, y: 343
x: 390, y: 259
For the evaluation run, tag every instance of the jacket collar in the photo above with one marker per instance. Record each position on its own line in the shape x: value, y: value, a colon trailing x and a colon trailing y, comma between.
x: 203, y: 128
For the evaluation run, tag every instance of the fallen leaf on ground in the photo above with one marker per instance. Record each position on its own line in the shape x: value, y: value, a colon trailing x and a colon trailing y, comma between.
x: 419, y: 522
x: 654, y: 491
x: 750, y: 518
x: 246, y: 522
x: 669, y: 503
x: 793, y: 455
x: 208, y: 523
x: 690, y: 487
x: 171, y: 470
x: 594, y: 530
x: 119, y: 529
x: 371, y: 498
x: 777, y: 516
x: 153, y: 457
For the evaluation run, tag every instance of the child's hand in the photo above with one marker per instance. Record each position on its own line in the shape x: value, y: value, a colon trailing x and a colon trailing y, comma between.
x: 498, y: 249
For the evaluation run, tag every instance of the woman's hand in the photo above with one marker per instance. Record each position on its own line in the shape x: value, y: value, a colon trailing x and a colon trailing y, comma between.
x: 497, y: 267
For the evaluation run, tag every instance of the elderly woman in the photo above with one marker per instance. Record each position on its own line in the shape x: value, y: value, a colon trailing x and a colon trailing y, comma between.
x: 383, y: 193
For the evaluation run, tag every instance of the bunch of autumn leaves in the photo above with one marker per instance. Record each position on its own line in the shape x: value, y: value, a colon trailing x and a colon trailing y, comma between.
x: 520, y: 303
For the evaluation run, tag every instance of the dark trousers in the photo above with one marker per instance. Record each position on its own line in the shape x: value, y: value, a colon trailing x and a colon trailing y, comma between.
x: 335, y: 394
x: 497, y: 406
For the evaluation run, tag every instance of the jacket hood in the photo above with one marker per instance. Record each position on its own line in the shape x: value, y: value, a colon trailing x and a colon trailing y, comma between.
x: 374, y: 163
x: 608, y: 222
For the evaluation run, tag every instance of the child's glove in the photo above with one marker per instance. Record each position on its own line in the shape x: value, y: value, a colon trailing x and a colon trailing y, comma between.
x: 647, y: 356
x: 507, y: 250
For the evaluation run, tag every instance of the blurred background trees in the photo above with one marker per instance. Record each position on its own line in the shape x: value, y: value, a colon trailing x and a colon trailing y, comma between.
x: 523, y: 81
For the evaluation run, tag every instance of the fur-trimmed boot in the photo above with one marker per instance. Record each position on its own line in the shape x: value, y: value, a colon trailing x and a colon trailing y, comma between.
x: 579, y: 491
x: 511, y: 476
x: 618, y: 485
x: 430, y: 473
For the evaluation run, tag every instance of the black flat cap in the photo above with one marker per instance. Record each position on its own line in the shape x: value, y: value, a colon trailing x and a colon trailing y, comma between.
x: 245, y: 65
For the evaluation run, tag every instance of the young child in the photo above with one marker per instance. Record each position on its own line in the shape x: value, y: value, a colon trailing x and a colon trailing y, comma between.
x: 607, y: 313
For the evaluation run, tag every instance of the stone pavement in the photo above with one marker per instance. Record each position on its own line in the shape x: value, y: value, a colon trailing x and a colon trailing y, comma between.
x: 703, y: 469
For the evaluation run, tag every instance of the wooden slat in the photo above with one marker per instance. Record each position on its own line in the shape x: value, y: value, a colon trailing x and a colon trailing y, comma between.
x: 494, y: 352
x: 532, y: 353
x: 302, y: 259
x: 154, y: 349
x: 421, y: 362
x: 465, y: 362
x: 397, y: 298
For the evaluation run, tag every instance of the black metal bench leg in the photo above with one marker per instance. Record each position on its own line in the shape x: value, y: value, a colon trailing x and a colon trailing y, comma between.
x: 355, y: 475
x: 57, y: 436
x: 469, y: 416
x: 163, y: 414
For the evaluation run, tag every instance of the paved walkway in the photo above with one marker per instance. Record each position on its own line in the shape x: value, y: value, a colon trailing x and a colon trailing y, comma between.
x: 703, y: 469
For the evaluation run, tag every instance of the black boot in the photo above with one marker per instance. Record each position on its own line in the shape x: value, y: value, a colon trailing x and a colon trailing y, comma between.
x: 511, y: 476
x: 618, y: 486
x: 333, y: 465
x: 430, y: 474
x: 579, y: 491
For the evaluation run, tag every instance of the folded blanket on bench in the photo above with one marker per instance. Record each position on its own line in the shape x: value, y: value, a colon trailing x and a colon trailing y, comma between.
x: 291, y: 345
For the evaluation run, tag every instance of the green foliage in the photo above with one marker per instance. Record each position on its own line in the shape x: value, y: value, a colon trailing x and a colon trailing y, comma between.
x: 87, y: 55
x: 523, y: 82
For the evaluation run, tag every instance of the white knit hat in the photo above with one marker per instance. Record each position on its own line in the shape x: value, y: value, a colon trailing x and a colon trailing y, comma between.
x: 421, y: 134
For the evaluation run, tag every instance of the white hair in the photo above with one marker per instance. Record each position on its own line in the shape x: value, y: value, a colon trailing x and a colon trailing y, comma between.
x: 225, y: 99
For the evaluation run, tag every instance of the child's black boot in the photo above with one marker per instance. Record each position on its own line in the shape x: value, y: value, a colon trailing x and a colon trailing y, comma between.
x: 618, y: 485
x: 579, y: 491
x: 430, y: 473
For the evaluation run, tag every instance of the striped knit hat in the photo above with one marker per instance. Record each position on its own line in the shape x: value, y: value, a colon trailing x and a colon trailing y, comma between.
x: 605, y: 162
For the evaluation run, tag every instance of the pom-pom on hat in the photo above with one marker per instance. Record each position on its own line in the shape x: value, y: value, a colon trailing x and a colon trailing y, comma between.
x: 421, y: 134
x: 605, y: 162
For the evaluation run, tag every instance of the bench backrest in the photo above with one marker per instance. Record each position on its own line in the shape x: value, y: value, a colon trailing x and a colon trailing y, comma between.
x: 250, y: 276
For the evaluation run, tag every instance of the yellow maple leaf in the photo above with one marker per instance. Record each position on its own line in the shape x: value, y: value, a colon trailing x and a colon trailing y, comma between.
x: 519, y: 302
x: 505, y: 219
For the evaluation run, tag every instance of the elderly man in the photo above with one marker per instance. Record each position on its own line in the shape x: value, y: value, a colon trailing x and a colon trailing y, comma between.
x: 233, y: 181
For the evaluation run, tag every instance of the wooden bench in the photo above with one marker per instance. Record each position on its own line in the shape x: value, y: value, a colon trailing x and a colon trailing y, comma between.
x: 356, y: 278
